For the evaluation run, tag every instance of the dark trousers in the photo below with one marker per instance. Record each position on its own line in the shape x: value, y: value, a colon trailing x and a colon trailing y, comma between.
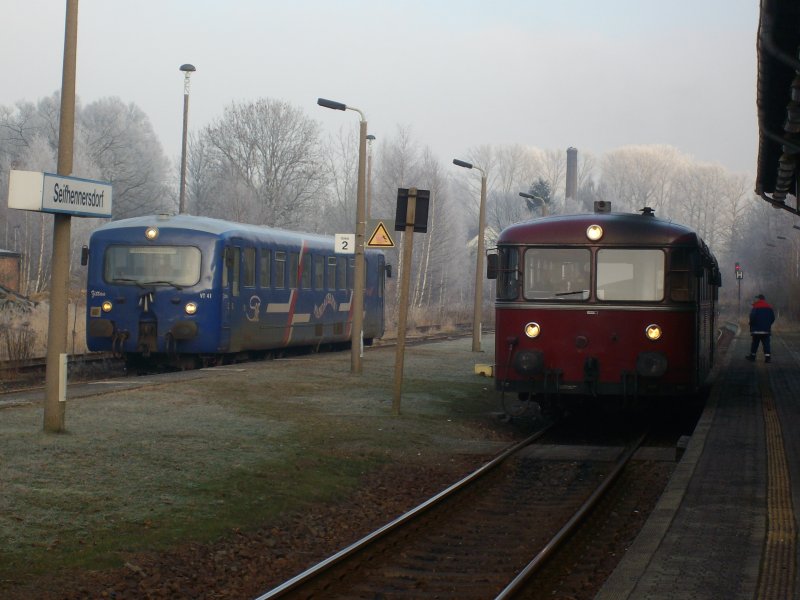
x: 762, y: 338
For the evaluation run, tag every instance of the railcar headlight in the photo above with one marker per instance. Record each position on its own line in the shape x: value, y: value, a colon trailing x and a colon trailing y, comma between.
x: 151, y: 233
x: 532, y: 330
x: 190, y: 308
x: 106, y: 306
x: 653, y: 332
x: 594, y: 232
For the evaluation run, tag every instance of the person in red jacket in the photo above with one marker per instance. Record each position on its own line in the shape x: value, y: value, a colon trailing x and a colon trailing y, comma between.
x: 761, y: 319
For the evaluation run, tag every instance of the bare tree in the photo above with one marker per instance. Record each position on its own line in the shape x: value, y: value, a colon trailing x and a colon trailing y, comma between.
x: 341, y: 160
x: 120, y: 141
x: 439, y: 258
x: 515, y: 167
x: 112, y: 142
x: 637, y: 176
x: 554, y: 170
x: 272, y: 150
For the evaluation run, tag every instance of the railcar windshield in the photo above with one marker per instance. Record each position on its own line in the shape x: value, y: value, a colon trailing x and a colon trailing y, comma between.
x: 632, y: 274
x: 557, y: 274
x: 178, y: 266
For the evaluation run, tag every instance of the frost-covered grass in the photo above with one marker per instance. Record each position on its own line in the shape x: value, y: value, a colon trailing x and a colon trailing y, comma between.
x: 224, y: 450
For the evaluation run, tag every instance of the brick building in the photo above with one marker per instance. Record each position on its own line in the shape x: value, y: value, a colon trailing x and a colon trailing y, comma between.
x: 9, y: 270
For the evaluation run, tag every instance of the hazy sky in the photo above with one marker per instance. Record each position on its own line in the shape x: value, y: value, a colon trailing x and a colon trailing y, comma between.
x: 594, y: 74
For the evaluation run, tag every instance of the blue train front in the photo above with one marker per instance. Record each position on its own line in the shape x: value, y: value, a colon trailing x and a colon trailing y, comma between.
x: 183, y: 290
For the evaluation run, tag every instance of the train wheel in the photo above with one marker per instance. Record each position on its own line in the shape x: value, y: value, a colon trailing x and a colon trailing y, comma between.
x: 187, y: 363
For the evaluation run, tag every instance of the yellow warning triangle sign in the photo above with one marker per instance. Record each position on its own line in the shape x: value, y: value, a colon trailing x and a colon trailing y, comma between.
x: 380, y: 238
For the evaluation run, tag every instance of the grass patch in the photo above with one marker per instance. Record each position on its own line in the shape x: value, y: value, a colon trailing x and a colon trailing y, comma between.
x: 65, y: 508
x: 195, y: 460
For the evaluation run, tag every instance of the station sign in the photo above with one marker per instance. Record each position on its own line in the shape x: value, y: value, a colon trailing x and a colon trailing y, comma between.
x: 345, y: 243
x: 46, y: 192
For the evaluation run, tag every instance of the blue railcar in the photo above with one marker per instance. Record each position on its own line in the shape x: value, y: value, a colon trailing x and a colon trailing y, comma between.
x: 181, y: 290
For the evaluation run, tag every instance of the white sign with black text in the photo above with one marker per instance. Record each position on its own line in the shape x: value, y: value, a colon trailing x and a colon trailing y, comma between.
x: 45, y: 192
x: 345, y: 243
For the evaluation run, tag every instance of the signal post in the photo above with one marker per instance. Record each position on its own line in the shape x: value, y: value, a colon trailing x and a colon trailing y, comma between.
x: 739, y: 277
x: 411, y: 216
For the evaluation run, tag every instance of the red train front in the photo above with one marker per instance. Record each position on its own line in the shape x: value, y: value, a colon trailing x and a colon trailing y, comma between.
x: 603, y: 304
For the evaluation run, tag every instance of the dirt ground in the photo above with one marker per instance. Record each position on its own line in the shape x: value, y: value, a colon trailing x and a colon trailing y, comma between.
x: 223, y: 483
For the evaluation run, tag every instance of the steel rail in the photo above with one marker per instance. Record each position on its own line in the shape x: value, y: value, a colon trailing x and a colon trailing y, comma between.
x: 319, y: 569
x: 563, y: 534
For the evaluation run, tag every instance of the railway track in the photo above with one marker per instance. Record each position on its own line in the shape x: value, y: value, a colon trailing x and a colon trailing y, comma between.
x: 16, y: 375
x: 484, y: 537
x: 29, y: 374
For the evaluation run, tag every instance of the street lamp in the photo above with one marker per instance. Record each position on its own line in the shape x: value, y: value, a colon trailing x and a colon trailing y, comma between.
x: 532, y: 197
x: 357, y: 333
x: 187, y: 71
x: 370, y: 139
x: 476, y: 311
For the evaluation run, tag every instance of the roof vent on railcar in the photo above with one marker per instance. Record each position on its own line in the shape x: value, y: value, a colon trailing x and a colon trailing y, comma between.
x: 647, y: 212
x: 602, y: 206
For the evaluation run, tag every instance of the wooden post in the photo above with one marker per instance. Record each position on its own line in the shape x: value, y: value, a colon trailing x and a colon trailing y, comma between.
x: 59, y: 281
x: 405, y: 278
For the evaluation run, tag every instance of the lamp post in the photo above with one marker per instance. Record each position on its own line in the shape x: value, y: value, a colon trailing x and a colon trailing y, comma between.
x: 187, y: 71
x: 357, y: 332
x: 476, y: 312
x: 532, y: 197
x: 370, y: 139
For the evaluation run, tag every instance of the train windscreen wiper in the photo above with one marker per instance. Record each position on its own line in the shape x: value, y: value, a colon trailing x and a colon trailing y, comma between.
x: 570, y: 293
x: 127, y: 280
x: 162, y: 282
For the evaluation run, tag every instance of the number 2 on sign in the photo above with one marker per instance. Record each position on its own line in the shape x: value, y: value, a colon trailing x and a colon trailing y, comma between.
x: 345, y: 243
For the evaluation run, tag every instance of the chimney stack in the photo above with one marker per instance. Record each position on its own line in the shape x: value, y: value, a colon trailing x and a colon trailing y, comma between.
x: 572, y: 173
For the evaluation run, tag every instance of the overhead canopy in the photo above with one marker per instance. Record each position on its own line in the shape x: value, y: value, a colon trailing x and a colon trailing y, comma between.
x: 778, y: 102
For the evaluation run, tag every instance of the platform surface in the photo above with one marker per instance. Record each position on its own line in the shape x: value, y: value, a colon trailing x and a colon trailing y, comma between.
x: 726, y: 526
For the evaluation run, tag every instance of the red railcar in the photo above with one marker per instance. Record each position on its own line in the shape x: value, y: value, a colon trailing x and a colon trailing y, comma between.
x: 603, y: 304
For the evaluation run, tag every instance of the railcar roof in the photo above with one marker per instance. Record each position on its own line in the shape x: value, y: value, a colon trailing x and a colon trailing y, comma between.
x: 619, y: 229
x: 214, y: 227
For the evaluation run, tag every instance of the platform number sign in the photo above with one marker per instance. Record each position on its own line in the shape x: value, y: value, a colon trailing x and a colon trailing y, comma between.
x: 345, y: 243
x: 739, y: 272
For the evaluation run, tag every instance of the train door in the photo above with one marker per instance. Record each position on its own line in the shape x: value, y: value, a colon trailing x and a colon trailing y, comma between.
x: 381, y: 275
x: 231, y: 290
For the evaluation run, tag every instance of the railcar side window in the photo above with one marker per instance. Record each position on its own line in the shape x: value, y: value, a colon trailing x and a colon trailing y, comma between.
x: 319, y: 272
x: 341, y: 273
x: 306, y: 272
x: 381, y: 278
x: 249, y: 275
x: 508, y: 273
x: 331, y: 272
x: 143, y: 265
x: 294, y: 263
x: 266, y: 253
x: 351, y: 273
x: 681, y: 279
x: 557, y: 274
x: 632, y: 275
x: 230, y: 269
x: 280, y: 269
